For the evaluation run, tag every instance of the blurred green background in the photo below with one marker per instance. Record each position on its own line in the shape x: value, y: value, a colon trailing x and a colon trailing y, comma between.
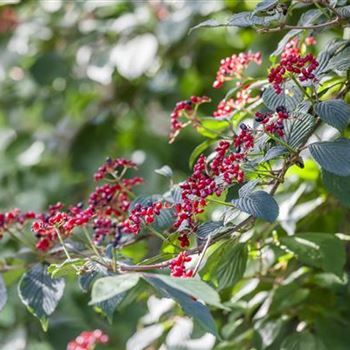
x: 83, y: 80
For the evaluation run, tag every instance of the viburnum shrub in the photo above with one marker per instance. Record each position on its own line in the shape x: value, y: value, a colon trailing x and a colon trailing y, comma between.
x: 223, y: 243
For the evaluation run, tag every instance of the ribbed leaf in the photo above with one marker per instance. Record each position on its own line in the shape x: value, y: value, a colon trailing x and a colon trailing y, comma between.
x: 108, y: 287
x: 210, y: 23
x: 343, y: 12
x: 193, y: 287
x: 242, y: 19
x: 298, y: 128
x: 165, y: 170
x: 334, y: 112
x: 108, y: 306
x: 3, y: 293
x: 231, y: 265
x: 333, y: 156
x: 322, y: 250
x: 247, y: 188
x: 40, y: 293
x: 209, y: 228
x: 302, y: 341
x: 191, y: 307
x: 265, y: 5
x: 259, y: 204
x: 339, y: 186
x: 274, y: 152
x: 290, y: 97
x: 284, y: 41
x: 341, y: 61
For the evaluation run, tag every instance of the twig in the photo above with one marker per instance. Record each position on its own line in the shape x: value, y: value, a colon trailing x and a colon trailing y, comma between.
x: 205, y: 248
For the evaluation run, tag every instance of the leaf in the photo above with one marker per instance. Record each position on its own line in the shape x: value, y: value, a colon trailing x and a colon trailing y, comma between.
x: 198, y: 151
x: 210, y: 228
x: 192, y: 287
x: 108, y: 306
x: 231, y: 265
x: 322, y: 250
x: 265, y: 5
x: 274, y: 152
x: 284, y: 41
x: 333, y: 156
x: 334, y: 112
x: 302, y: 341
x: 3, y: 293
x: 339, y: 186
x: 242, y: 19
x: 309, y: 17
x: 290, y: 97
x: 108, y: 287
x: 165, y: 170
x: 211, y: 127
x: 247, y: 188
x: 210, y: 23
x: 40, y: 293
x: 259, y: 204
x: 298, y: 128
x: 344, y: 12
x: 341, y: 61
x: 66, y: 268
x: 191, y: 307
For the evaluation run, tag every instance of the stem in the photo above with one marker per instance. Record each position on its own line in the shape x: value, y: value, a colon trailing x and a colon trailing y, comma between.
x: 202, y: 255
x: 301, y: 89
x: 218, y: 201
x: 280, y: 141
x: 62, y: 243
x: 86, y: 233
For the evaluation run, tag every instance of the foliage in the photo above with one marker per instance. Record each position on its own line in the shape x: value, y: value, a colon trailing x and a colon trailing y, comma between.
x: 238, y: 250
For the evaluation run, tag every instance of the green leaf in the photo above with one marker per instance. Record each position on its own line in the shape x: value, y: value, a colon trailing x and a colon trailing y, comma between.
x: 333, y: 156
x: 107, y: 307
x: 259, y: 204
x: 322, y: 250
x: 198, y: 151
x: 231, y: 265
x: 309, y: 17
x: 192, y: 308
x: 3, y: 293
x: 40, y: 293
x: 302, y: 341
x: 211, y: 127
x: 108, y: 287
x: 290, y: 97
x: 48, y: 67
x: 298, y: 128
x: 226, y: 265
x: 334, y: 112
x: 344, y: 12
x: 68, y: 267
x: 339, y: 186
x: 192, y: 287
x: 274, y: 152
x: 287, y: 296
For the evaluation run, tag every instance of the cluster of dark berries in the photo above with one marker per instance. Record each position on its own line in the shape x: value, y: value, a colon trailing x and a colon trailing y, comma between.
x: 244, y: 141
x: 273, y: 124
x: 303, y: 67
x: 183, y: 109
x: 87, y: 340
x: 111, y: 166
x: 141, y: 214
x: 233, y: 67
x: 178, y: 268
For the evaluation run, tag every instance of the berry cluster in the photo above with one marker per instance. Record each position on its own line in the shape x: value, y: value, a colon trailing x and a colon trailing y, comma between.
x: 185, y: 109
x: 226, y: 107
x: 111, y: 166
x: 15, y: 216
x: 294, y: 64
x: 233, y: 67
x: 87, y: 340
x: 141, y: 214
x: 178, y: 268
x: 273, y: 124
